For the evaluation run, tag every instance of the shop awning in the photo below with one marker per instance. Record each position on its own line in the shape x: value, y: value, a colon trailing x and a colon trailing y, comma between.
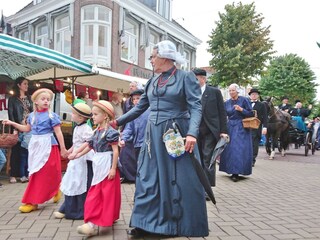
x: 20, y: 58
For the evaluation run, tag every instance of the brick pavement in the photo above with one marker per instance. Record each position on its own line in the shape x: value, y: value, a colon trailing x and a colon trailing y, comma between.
x: 280, y: 200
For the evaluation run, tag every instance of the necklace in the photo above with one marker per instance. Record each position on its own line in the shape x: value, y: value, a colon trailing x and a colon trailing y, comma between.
x: 162, y: 82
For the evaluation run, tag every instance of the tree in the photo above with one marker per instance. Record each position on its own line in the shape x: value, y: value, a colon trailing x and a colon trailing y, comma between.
x: 240, y: 46
x: 289, y: 75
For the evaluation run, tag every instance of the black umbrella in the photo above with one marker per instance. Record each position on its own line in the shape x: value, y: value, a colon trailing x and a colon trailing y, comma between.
x: 221, y: 145
x: 203, y: 178
x: 199, y: 170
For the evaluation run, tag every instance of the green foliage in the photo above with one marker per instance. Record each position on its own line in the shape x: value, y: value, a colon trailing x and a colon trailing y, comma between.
x: 240, y: 46
x: 289, y: 75
x: 315, y: 110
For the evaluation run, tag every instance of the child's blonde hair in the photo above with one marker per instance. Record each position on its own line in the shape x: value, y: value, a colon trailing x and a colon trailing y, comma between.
x: 35, y: 96
x: 107, y: 108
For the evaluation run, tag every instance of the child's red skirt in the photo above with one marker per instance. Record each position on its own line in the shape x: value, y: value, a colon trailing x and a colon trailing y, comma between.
x: 102, y: 206
x: 45, y: 183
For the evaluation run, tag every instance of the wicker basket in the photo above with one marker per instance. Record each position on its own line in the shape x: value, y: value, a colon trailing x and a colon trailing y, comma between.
x: 8, y: 140
x: 251, y: 122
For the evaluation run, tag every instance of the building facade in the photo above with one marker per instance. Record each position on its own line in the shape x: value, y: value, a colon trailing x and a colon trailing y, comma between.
x: 117, y: 35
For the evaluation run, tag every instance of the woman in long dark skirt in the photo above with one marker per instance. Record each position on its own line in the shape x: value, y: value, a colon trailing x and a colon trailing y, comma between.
x: 169, y: 197
x: 237, y: 157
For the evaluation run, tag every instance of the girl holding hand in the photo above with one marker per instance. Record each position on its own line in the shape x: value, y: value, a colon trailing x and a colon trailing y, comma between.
x: 102, y: 205
x: 44, y: 156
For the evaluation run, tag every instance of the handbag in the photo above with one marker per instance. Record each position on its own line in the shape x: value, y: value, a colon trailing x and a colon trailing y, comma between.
x: 251, y: 122
x: 8, y: 140
x: 174, y: 142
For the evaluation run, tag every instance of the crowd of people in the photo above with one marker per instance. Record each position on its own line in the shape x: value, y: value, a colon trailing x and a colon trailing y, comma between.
x: 124, y: 142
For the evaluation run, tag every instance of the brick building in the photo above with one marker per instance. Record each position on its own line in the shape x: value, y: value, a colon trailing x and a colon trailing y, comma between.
x: 117, y: 35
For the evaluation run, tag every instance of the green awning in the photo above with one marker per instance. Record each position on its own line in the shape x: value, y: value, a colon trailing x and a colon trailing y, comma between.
x: 20, y: 58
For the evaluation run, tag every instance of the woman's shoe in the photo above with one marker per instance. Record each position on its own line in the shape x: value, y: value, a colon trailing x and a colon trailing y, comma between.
x: 59, y: 215
x: 235, y: 177
x: 57, y: 197
x: 26, y: 208
x: 136, y: 232
x: 12, y: 180
x: 87, y: 230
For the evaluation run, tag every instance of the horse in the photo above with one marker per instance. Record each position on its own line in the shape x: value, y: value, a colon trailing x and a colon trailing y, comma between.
x: 277, y: 130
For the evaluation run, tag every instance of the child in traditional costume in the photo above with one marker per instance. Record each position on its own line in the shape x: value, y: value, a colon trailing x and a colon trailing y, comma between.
x: 102, y: 205
x: 77, y: 179
x: 44, y: 155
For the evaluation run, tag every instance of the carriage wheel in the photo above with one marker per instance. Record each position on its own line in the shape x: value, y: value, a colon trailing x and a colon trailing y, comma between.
x: 307, y: 143
x: 313, y: 148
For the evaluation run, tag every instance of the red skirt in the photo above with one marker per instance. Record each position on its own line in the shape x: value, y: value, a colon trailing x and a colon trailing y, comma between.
x: 102, y: 206
x: 45, y: 183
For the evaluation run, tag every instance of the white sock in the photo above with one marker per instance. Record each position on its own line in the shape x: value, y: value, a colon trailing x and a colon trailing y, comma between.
x: 92, y: 225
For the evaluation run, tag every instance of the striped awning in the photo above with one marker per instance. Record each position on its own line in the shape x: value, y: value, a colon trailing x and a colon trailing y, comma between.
x: 20, y: 58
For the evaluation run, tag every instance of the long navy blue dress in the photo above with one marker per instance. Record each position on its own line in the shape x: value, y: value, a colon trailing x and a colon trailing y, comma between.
x: 169, y: 197
x: 237, y: 157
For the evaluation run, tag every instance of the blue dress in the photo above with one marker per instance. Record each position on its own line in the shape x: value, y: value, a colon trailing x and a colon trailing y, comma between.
x: 169, y: 197
x: 238, y: 155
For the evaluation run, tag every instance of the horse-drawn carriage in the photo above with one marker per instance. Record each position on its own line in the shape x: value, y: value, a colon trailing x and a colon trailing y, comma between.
x: 284, y: 130
x: 300, y: 135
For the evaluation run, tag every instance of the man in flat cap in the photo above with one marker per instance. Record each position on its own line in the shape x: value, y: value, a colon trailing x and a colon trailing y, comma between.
x: 262, y: 115
x: 213, y: 123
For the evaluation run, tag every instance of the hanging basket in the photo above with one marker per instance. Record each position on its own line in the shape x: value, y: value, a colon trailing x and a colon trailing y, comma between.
x: 251, y: 122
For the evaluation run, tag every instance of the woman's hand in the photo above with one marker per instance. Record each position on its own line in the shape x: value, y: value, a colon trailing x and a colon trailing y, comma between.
x: 190, y: 143
x: 113, y: 124
x: 112, y: 174
x: 238, y: 108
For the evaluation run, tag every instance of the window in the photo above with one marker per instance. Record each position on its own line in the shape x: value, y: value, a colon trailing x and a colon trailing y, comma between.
x: 62, y: 39
x: 186, y: 65
x: 129, y: 42
x: 24, y: 35
x: 37, y: 1
x: 163, y: 7
x: 150, y: 3
x: 96, y: 35
x: 153, y: 40
x: 41, y: 38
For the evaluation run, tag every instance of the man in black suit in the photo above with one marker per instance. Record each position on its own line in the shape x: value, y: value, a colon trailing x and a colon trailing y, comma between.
x: 213, y: 124
x: 262, y: 115
x: 285, y: 106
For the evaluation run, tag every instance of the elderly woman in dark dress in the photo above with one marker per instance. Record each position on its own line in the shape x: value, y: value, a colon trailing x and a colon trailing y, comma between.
x: 237, y: 157
x: 19, y: 107
x: 169, y: 197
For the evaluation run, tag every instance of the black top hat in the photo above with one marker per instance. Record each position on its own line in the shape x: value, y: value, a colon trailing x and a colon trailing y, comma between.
x: 254, y: 90
x: 137, y: 92
x: 199, y: 72
x: 296, y: 101
x: 284, y: 97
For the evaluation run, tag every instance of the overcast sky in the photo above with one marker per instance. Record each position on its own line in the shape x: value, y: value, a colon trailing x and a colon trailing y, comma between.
x: 295, y: 24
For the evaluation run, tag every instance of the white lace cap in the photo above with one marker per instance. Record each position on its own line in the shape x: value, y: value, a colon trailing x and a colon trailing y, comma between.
x: 167, y: 49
